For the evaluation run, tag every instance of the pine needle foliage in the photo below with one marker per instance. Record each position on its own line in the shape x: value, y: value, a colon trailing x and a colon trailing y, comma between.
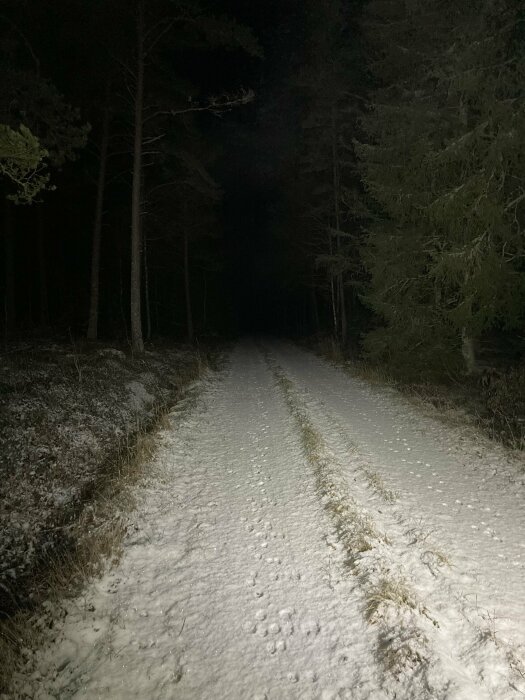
x: 22, y: 162
x: 442, y: 158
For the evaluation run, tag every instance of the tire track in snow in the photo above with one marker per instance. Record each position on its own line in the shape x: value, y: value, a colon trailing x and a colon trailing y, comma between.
x: 227, y: 587
x: 440, y: 471
x: 457, y: 657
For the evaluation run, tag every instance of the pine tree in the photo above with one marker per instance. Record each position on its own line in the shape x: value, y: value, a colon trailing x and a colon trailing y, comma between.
x: 154, y: 22
x: 22, y: 162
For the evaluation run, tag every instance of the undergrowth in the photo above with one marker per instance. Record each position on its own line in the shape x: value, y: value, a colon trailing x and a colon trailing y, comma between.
x: 492, y: 399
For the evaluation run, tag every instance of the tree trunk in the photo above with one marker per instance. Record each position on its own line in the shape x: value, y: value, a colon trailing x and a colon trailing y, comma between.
x: 9, y: 308
x: 156, y: 302
x: 146, y: 290
x: 42, y: 272
x: 92, y: 332
x: 468, y: 351
x: 137, y: 342
x: 315, y: 310
x: 344, y: 327
x: 337, y: 217
x: 332, y: 294
x: 187, y: 290
x: 205, y: 303
x: 123, y: 314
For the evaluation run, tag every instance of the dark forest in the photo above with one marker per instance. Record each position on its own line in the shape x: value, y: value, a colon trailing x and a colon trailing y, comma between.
x: 348, y: 169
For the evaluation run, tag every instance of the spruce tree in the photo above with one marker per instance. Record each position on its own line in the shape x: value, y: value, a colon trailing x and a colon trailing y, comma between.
x: 441, y: 162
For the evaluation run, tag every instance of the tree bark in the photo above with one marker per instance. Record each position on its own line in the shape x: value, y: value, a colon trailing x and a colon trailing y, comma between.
x: 315, y: 310
x: 42, y: 272
x: 156, y: 302
x: 9, y: 268
x: 123, y: 314
x: 468, y: 351
x: 187, y: 290
x: 332, y: 294
x: 146, y: 290
x: 344, y: 326
x: 92, y: 332
x: 137, y: 342
x: 337, y: 217
x: 204, y: 304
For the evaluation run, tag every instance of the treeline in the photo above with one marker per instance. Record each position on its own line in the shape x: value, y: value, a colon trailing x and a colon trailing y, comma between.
x: 110, y: 210
x: 391, y: 134
x: 408, y: 210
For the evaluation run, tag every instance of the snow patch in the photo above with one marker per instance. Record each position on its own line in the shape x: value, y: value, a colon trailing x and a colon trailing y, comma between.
x: 140, y: 396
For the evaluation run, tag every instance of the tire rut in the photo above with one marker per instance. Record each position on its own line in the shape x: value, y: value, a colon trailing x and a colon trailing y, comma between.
x: 406, y: 552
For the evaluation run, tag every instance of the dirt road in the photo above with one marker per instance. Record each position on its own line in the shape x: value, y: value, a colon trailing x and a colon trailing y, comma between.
x: 305, y: 535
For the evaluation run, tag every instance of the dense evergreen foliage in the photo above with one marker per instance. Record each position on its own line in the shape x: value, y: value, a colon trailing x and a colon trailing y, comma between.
x: 405, y: 195
x: 442, y: 158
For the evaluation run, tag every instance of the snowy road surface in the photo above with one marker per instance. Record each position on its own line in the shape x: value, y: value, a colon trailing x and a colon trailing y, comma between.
x: 305, y: 535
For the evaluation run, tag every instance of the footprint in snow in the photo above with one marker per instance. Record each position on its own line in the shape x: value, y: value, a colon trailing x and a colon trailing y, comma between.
x: 311, y: 676
x: 294, y: 576
x: 334, y: 694
x: 310, y: 628
x: 273, y: 560
x: 273, y: 647
x: 287, y: 629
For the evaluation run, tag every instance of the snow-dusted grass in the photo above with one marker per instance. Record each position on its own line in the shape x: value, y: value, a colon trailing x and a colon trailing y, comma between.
x: 94, y: 543
x: 386, y: 592
x: 378, y: 484
x: 76, y: 431
x: 492, y: 401
x: 359, y: 534
x: 463, y: 573
x: 415, y: 640
x: 354, y: 526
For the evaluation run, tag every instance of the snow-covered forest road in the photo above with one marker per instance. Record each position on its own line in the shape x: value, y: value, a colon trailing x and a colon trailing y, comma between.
x: 302, y: 534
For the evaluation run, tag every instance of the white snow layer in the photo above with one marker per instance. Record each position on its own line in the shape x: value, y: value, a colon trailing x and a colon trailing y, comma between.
x: 234, y: 582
